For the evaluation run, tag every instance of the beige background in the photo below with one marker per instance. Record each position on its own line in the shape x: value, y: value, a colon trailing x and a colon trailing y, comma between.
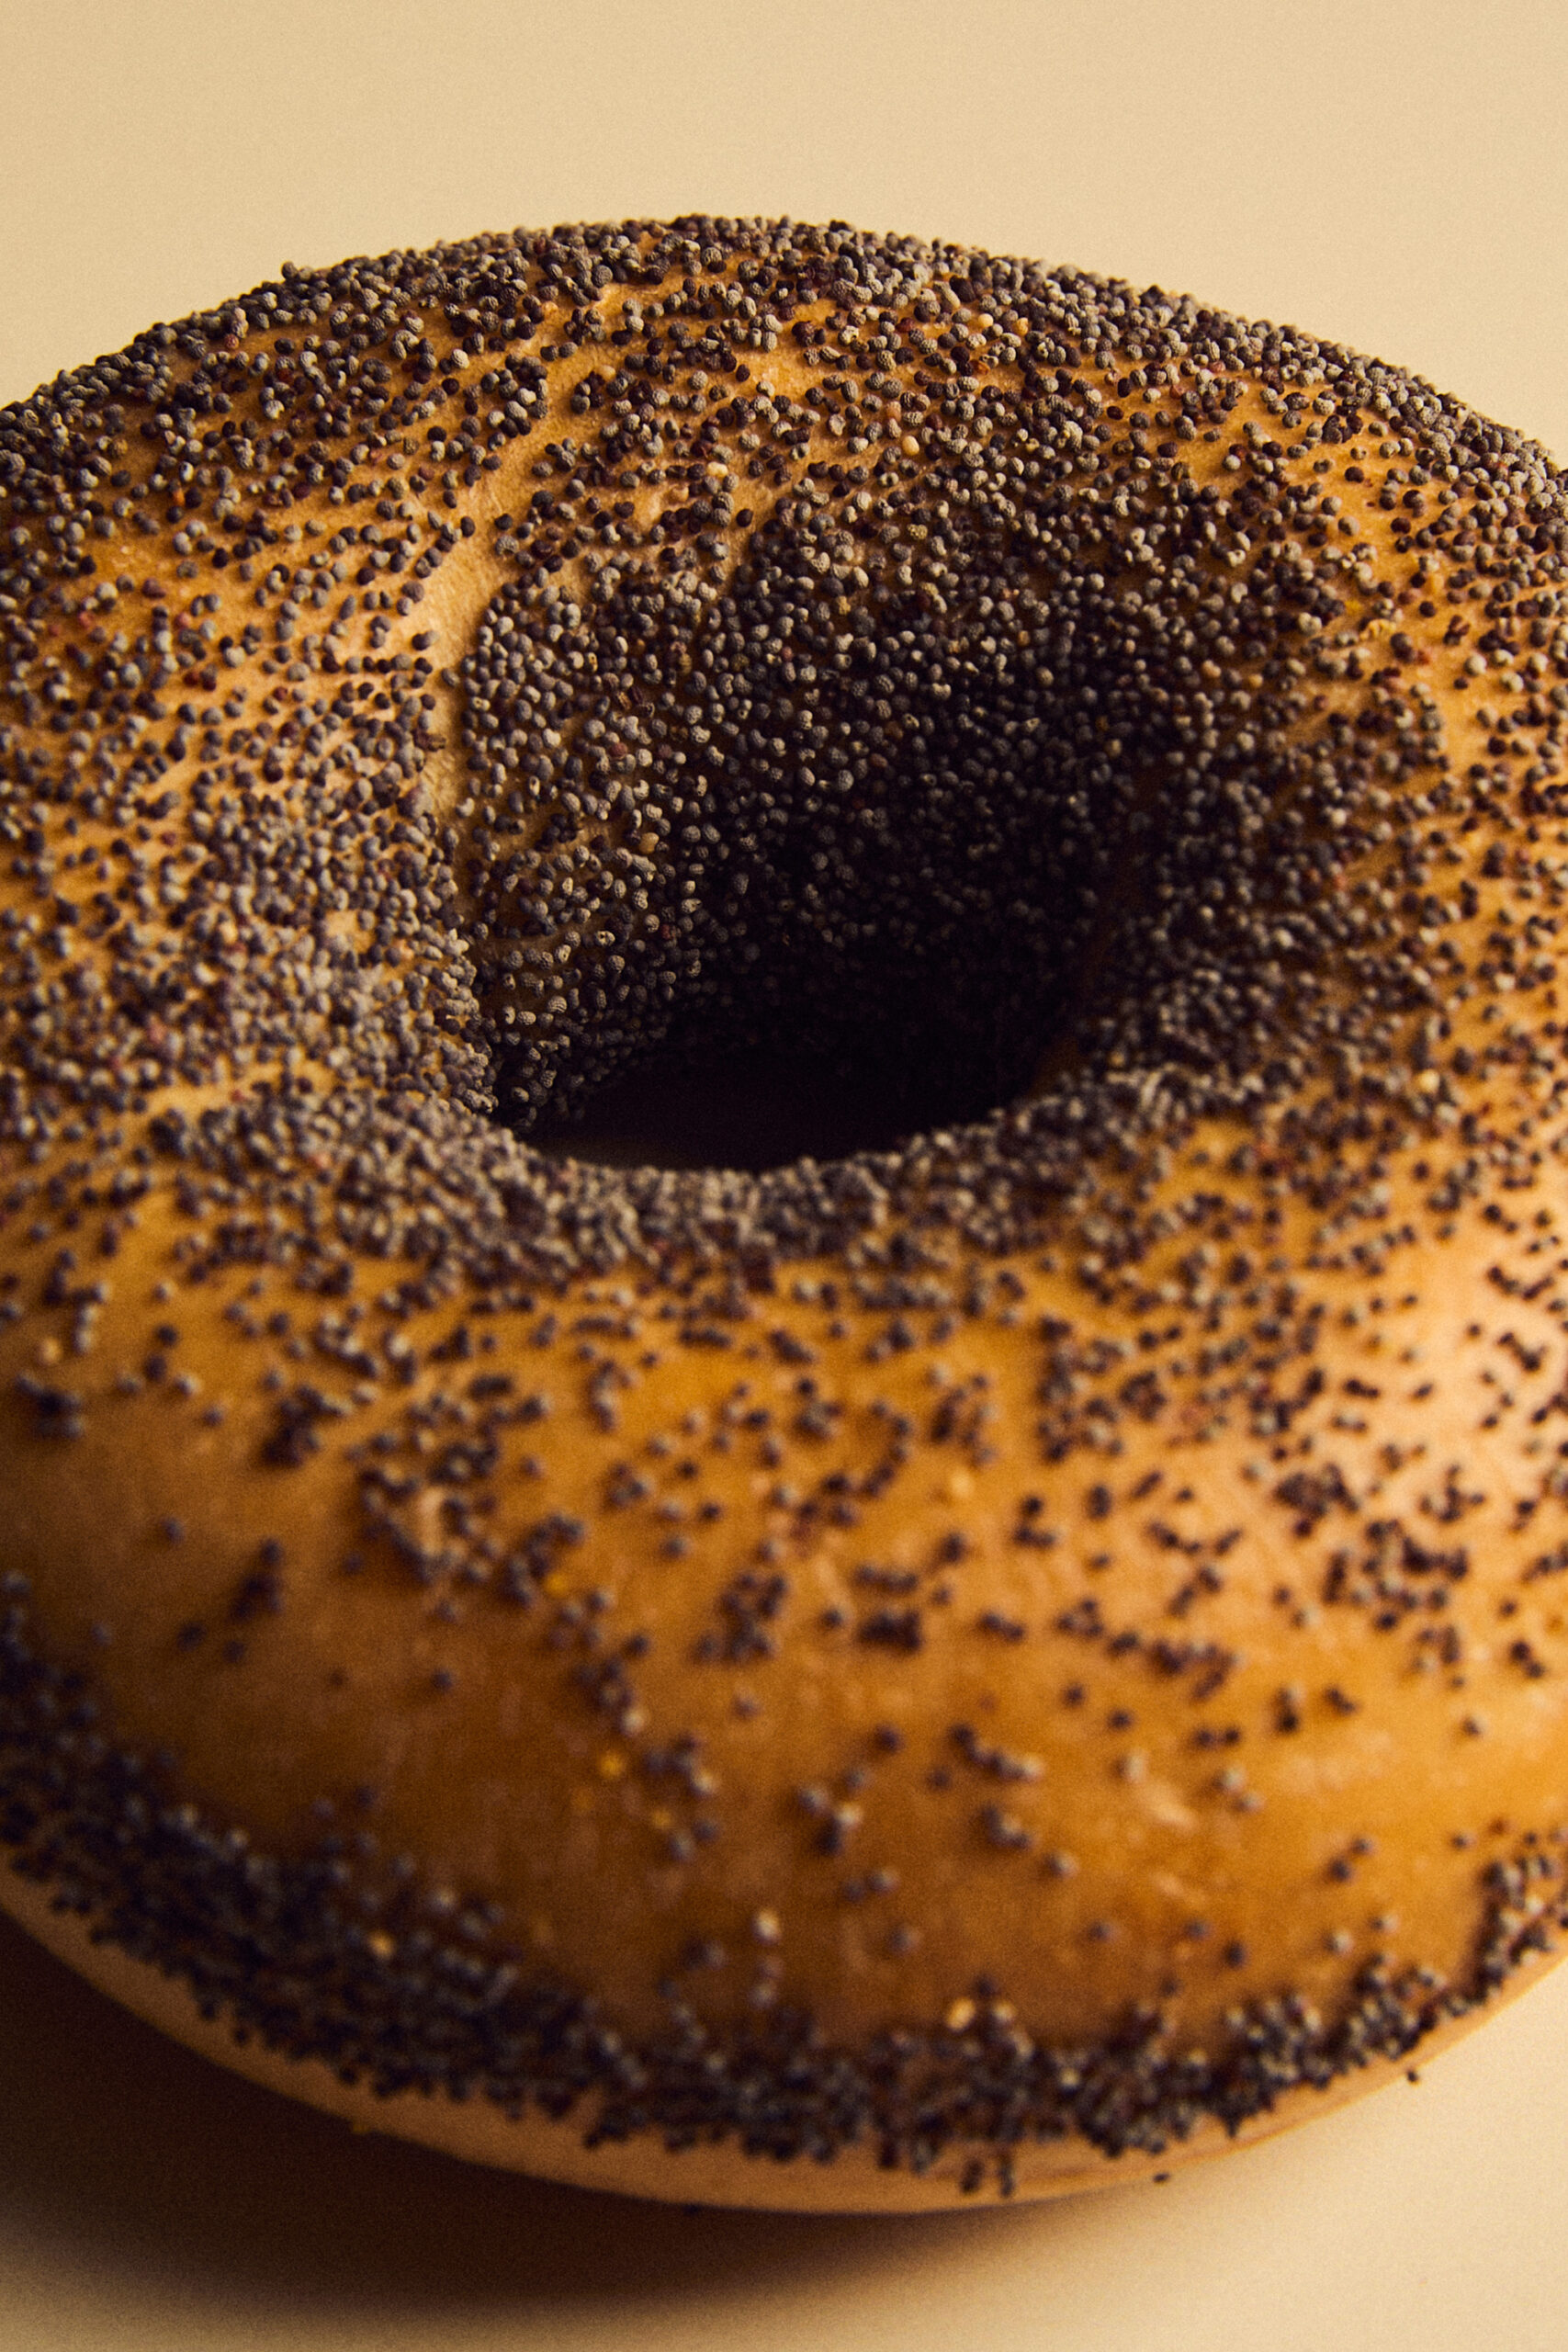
x: 1396, y: 175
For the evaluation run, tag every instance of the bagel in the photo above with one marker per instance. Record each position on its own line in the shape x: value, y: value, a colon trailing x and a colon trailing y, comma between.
x: 981, y: 1649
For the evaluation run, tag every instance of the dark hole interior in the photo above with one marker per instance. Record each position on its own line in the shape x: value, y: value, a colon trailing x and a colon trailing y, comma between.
x: 760, y: 1109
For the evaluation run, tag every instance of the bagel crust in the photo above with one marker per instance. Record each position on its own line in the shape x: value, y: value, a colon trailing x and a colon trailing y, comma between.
x: 986, y: 1663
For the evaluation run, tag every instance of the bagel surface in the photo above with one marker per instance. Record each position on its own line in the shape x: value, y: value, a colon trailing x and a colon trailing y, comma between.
x: 985, y: 1660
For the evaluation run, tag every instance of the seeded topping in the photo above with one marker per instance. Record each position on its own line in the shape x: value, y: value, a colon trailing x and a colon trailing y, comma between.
x: 1115, y: 747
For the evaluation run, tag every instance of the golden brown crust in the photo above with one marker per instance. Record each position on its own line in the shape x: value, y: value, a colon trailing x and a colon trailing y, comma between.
x: 1011, y: 1636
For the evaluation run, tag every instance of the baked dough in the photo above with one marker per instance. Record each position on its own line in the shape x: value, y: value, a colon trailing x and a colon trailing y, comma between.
x: 986, y: 1662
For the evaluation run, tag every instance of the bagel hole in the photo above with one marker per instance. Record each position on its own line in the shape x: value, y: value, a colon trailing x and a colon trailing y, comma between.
x: 905, y: 889
x: 848, y: 1041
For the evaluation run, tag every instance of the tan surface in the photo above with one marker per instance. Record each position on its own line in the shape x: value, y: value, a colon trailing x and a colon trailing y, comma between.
x: 1241, y: 166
